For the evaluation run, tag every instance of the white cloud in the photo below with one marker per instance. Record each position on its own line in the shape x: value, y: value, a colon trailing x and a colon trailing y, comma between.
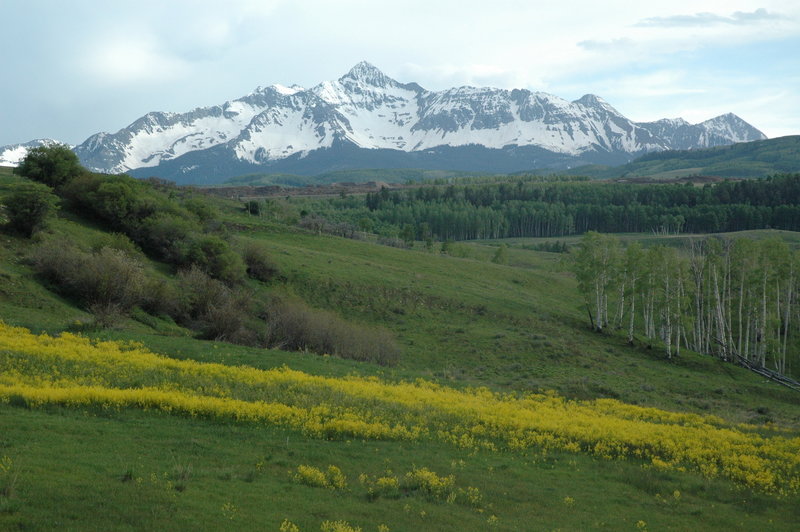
x: 125, y: 61
x: 738, y: 18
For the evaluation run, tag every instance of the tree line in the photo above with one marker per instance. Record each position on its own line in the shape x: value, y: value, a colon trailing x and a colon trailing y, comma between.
x: 734, y: 299
x: 547, y: 209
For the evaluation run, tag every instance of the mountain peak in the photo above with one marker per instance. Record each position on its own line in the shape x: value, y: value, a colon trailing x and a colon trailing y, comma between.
x: 727, y: 117
x: 368, y: 73
x: 732, y: 126
x: 592, y: 100
x: 368, y: 116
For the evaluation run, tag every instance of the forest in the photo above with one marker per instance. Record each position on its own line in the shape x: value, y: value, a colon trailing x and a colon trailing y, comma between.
x: 533, y: 207
x: 734, y: 299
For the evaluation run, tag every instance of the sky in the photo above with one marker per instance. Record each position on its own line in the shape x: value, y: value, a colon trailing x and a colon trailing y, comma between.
x: 69, y: 69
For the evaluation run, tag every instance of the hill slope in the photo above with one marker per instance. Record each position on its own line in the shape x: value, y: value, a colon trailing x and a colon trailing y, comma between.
x: 744, y: 160
x: 461, y: 322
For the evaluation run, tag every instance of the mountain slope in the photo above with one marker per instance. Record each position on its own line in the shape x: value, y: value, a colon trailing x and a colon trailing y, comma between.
x: 749, y: 159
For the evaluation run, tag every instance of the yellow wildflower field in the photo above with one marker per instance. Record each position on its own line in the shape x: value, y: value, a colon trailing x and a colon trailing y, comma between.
x: 72, y: 370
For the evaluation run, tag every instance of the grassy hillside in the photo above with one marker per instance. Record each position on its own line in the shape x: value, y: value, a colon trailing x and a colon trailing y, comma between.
x: 137, y: 442
x: 745, y: 160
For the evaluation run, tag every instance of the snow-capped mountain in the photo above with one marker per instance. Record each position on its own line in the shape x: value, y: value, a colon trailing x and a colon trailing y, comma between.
x: 367, y: 119
x: 13, y: 154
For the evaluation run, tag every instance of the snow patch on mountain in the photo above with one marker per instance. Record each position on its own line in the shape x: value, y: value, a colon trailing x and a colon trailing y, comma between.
x: 13, y: 154
x: 288, y: 91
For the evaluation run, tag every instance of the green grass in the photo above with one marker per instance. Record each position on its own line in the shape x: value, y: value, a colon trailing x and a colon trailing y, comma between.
x: 461, y: 322
x: 119, y: 471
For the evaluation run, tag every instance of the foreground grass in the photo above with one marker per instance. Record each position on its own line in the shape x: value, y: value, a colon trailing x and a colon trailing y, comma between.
x: 116, y: 468
x: 73, y: 371
x: 150, y: 471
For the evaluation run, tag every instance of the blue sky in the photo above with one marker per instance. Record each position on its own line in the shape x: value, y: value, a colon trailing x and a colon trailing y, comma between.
x: 71, y: 69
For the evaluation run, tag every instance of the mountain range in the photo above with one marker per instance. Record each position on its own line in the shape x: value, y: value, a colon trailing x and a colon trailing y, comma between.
x: 13, y: 154
x: 366, y: 119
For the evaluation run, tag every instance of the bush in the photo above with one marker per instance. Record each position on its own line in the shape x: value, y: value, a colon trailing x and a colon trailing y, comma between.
x: 158, y: 224
x: 291, y: 324
x: 501, y: 255
x: 201, y: 208
x: 215, y: 257
x: 108, y: 282
x: 28, y: 207
x: 54, y: 165
x: 258, y: 262
x: 118, y: 241
x: 213, y: 309
x: 253, y: 207
x: 167, y: 237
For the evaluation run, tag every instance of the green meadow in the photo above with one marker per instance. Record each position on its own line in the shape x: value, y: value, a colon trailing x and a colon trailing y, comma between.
x: 459, y: 320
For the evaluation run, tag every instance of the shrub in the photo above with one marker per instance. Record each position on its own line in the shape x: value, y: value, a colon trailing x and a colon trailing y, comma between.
x: 148, y: 216
x: 215, y: 257
x: 253, y: 207
x: 258, y: 262
x: 113, y: 277
x: 118, y: 241
x: 319, y: 224
x: 28, y: 207
x: 202, y: 209
x: 53, y: 165
x: 119, y: 200
x: 291, y: 324
x: 501, y: 255
x: 162, y: 297
x: 391, y: 241
x: 167, y: 237
x: 108, y: 282
x: 213, y: 309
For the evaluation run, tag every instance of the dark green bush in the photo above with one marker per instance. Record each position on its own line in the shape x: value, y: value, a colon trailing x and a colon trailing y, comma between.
x: 202, y: 209
x: 117, y: 241
x: 54, y: 165
x: 28, y: 207
x: 258, y: 261
x: 167, y: 237
x: 215, y: 257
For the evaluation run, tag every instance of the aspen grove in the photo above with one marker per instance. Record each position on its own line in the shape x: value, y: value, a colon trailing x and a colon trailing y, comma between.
x: 734, y: 299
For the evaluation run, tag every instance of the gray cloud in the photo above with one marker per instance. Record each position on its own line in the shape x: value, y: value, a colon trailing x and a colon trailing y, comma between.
x: 739, y: 18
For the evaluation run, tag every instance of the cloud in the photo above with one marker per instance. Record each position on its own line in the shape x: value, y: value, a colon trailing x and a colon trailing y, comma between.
x: 125, y: 61
x: 604, y: 46
x: 739, y: 18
